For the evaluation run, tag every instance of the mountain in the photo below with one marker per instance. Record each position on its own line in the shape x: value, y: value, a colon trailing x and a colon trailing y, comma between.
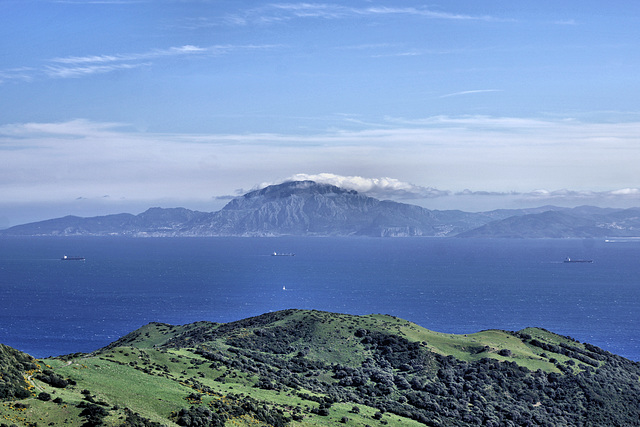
x: 301, y: 367
x: 306, y: 208
x: 153, y: 222
x: 301, y: 208
x: 580, y: 222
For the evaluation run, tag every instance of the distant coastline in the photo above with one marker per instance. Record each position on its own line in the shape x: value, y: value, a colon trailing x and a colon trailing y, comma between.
x: 306, y: 208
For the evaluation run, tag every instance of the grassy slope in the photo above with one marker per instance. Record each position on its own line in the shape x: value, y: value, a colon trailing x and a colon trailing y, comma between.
x: 144, y: 372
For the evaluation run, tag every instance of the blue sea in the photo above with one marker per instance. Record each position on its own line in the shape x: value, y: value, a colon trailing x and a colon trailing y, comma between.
x: 51, y: 307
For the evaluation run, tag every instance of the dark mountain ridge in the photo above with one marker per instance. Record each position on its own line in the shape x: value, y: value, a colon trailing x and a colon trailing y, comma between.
x: 306, y: 208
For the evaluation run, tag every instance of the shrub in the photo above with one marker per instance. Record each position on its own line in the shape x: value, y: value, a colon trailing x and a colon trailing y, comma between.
x: 44, y: 396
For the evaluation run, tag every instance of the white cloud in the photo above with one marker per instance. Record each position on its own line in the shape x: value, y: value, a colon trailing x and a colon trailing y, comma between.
x: 467, y: 192
x: 430, y: 161
x: 626, y: 192
x: 79, y: 127
x: 376, y: 187
x: 585, y: 195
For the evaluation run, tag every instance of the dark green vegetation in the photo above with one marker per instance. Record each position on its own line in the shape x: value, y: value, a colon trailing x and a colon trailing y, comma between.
x: 14, y: 369
x: 298, y: 367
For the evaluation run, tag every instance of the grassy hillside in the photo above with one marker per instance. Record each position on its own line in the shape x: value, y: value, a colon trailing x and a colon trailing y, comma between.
x: 310, y: 368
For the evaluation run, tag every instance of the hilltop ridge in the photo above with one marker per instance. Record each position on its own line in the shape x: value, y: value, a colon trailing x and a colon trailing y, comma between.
x: 307, y: 367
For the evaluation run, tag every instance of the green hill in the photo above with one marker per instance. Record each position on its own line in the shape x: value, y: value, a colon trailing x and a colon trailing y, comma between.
x: 309, y: 368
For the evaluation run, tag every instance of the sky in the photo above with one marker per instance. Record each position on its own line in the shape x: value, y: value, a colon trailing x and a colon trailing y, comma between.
x: 111, y: 106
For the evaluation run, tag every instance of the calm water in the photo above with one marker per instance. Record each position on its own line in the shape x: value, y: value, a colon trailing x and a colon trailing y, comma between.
x: 51, y: 307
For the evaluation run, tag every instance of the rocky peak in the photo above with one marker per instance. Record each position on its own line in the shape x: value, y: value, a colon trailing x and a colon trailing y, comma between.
x: 291, y: 188
x: 290, y: 192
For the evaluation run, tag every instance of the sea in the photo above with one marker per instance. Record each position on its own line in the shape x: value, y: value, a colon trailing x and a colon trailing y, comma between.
x: 51, y: 307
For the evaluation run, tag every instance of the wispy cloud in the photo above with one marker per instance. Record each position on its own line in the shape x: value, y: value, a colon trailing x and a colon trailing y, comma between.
x: 483, y: 193
x: 282, y: 12
x: 156, y: 53
x: 566, y: 22
x: 367, y: 46
x: 311, y: 10
x: 12, y: 74
x: 80, y: 66
x: 388, y: 50
x: 469, y: 92
x: 424, y: 12
x: 73, y: 72
x: 73, y: 128
x: 583, y: 195
x: 101, y: 1
x: 549, y: 196
x: 401, y: 53
x: 196, y: 23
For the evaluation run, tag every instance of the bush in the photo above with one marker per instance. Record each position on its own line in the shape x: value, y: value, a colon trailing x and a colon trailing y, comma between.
x: 44, y: 396
x: 93, y: 414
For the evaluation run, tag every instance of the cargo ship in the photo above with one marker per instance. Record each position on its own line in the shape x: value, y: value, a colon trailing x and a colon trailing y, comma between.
x: 72, y: 258
x: 569, y: 260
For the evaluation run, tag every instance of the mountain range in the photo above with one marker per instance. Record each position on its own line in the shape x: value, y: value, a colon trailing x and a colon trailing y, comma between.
x: 307, y: 208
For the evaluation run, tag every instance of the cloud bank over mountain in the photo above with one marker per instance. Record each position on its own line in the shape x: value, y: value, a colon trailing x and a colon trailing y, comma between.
x: 392, y: 188
x: 380, y: 188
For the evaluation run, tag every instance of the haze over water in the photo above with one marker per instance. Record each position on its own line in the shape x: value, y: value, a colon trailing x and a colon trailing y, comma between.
x: 53, y: 307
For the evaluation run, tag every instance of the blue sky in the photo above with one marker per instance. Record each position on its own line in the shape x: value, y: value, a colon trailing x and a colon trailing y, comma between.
x: 118, y: 105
